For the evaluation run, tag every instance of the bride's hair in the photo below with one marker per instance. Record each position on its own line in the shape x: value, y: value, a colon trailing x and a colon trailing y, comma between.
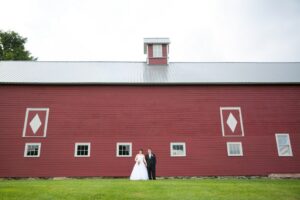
x: 141, y: 150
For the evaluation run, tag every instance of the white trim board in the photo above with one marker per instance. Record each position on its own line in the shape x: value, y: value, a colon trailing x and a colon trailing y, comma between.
x: 31, y: 156
x: 177, y: 143
x: 241, y: 149
x: 82, y: 143
x: 124, y: 143
x: 222, y: 121
x: 26, y: 119
x: 289, y: 143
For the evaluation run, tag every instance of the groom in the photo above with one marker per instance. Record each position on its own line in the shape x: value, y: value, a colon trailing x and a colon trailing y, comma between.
x: 151, y: 164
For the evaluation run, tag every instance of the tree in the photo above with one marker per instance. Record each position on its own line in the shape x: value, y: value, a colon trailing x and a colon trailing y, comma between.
x: 12, y: 47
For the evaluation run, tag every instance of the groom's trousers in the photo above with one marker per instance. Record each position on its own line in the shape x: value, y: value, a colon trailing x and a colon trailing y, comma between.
x: 151, y: 172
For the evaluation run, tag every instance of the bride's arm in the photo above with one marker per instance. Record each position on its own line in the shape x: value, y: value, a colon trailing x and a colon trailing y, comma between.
x: 136, y: 158
x: 145, y: 161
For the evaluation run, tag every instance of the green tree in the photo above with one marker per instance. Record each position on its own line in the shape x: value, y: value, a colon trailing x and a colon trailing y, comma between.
x: 12, y: 47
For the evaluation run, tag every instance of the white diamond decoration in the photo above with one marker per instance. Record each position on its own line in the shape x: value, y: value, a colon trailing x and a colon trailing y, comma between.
x: 35, y: 123
x: 231, y: 122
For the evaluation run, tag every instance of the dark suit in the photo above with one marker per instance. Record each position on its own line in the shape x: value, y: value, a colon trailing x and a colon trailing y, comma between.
x: 151, y: 165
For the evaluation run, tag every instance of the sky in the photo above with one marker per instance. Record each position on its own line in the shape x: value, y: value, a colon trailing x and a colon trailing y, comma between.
x: 199, y: 30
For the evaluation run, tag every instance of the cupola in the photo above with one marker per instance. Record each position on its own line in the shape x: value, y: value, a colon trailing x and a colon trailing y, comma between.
x: 157, y: 50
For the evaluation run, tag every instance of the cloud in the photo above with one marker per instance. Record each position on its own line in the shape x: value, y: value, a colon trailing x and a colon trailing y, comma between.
x: 200, y: 30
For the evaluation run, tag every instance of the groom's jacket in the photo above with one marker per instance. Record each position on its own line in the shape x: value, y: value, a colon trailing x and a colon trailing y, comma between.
x: 151, y: 162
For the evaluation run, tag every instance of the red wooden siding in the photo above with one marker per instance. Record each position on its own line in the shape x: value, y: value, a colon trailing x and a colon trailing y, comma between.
x: 149, y: 116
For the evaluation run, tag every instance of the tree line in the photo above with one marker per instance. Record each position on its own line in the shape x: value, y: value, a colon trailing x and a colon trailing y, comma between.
x: 12, y: 47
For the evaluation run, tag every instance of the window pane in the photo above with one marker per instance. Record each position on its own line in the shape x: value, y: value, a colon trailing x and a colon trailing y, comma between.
x: 177, y: 149
x: 124, y: 150
x: 157, y: 50
x: 235, y: 149
x: 82, y: 150
x: 32, y: 150
x: 282, y: 140
x: 284, y: 150
x: 121, y: 148
x: 35, y: 152
x: 283, y: 145
x: 231, y: 149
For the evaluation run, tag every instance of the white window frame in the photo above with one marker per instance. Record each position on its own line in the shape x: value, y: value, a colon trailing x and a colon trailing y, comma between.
x: 157, y: 50
x: 45, y: 123
x: 82, y: 143
x: 177, y: 143
x: 289, y: 143
x: 241, y: 121
x: 124, y: 143
x: 32, y: 156
x: 241, y: 149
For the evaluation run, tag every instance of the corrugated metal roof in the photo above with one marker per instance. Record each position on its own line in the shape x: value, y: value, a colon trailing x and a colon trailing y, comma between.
x: 140, y: 73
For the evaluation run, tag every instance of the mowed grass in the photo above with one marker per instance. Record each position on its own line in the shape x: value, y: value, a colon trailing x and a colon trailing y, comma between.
x: 73, y: 189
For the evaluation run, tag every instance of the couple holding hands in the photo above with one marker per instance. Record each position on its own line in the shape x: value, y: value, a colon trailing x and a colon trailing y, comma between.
x: 144, y: 168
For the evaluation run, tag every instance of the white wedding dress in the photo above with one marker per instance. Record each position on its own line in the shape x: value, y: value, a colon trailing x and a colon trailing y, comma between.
x: 139, y: 171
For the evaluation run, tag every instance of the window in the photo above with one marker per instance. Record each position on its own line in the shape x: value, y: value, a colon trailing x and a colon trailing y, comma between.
x: 283, y: 144
x: 234, y: 149
x: 82, y: 149
x: 32, y: 150
x: 157, y: 51
x: 124, y: 149
x: 178, y: 149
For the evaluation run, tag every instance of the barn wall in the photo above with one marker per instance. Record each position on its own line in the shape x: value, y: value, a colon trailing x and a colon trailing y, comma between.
x: 149, y: 116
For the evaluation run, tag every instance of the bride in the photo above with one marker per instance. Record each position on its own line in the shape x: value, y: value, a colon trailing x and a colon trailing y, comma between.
x: 139, y: 171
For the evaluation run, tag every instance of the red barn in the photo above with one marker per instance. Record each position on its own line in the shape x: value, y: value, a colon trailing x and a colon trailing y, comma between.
x: 84, y: 119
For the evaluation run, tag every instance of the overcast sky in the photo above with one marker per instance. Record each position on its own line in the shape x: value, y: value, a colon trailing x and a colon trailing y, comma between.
x: 199, y: 30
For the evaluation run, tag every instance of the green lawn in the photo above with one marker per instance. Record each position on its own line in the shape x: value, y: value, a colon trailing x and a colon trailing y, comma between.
x: 254, y: 189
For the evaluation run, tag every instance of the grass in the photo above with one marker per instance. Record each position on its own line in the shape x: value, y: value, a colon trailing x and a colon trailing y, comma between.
x: 74, y: 189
